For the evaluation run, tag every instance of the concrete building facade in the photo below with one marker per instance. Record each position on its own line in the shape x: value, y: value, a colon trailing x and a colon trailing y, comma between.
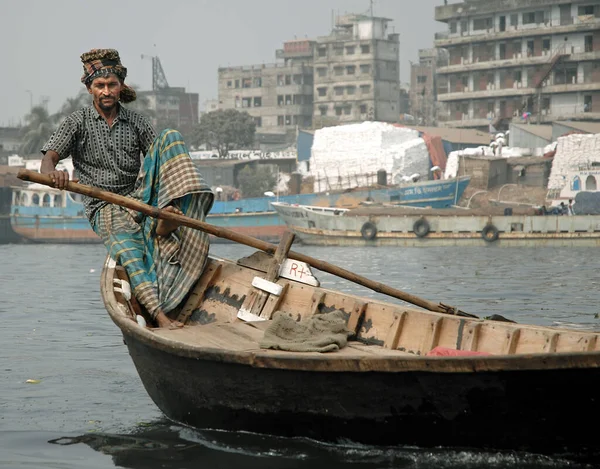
x: 512, y: 57
x: 357, y: 72
x: 279, y: 96
x: 172, y: 106
x: 423, y: 91
x: 351, y: 75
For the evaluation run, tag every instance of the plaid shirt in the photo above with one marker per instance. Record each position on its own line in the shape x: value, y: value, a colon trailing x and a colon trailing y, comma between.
x: 105, y: 157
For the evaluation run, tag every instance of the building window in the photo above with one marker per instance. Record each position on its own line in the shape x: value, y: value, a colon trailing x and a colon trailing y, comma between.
x: 322, y: 52
x: 365, y: 89
x: 546, y: 44
x: 229, y: 83
x: 514, y: 19
x: 453, y: 27
x: 348, y: 110
x: 350, y: 70
x: 338, y: 111
x: 363, y: 108
x: 297, y: 99
x: 530, y: 47
x: 322, y: 91
x: 247, y: 83
x: 529, y: 18
x: 587, y: 103
x: 322, y: 71
x: 288, y: 120
x: 237, y: 83
x: 588, y: 43
x: 280, y: 99
x: 338, y: 71
x: 517, y: 76
x: 280, y: 121
x: 365, y: 49
x: 338, y: 50
x: 482, y: 23
x: 288, y: 79
x: 350, y: 50
x: 257, y: 82
x: 323, y: 110
x: 339, y: 90
x: 585, y: 10
x: 297, y: 79
x: 246, y: 102
x: 257, y: 101
x: 365, y: 69
x: 546, y: 104
x: 350, y: 90
x: 258, y: 121
x: 422, y: 79
x: 35, y: 200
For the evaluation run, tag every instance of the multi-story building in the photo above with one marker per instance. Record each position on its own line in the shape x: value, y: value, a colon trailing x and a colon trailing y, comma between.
x: 279, y: 96
x: 513, y: 58
x: 423, y: 92
x: 357, y: 72
x: 172, y: 106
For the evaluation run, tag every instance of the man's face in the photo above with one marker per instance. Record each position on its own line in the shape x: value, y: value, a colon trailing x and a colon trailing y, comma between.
x: 106, y: 91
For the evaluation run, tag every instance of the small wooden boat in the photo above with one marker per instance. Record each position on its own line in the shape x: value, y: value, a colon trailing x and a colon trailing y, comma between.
x: 526, y: 388
x: 407, y: 375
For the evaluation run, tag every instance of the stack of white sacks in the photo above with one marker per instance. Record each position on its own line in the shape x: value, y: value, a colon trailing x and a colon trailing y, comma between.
x: 572, y: 153
x: 343, y: 156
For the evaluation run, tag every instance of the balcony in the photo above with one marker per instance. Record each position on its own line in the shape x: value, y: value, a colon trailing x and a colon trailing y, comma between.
x: 580, y: 24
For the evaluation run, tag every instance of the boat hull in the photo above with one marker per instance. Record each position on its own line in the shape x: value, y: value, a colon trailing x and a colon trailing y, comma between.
x: 54, y: 229
x: 255, y: 216
x: 326, y: 227
x: 534, y: 410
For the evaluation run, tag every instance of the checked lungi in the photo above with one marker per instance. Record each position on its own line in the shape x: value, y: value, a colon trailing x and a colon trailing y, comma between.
x: 161, y: 270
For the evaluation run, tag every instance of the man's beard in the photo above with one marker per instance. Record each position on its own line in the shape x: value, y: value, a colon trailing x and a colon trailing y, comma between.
x: 107, y: 105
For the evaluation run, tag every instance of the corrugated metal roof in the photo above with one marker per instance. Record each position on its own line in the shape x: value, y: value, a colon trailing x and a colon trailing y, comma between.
x: 542, y: 131
x: 455, y: 135
x: 589, y: 127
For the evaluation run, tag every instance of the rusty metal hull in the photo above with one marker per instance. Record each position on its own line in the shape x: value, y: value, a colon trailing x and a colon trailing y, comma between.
x: 535, y: 410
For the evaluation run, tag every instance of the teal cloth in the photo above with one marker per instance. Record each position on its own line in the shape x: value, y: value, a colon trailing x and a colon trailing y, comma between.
x: 161, y: 270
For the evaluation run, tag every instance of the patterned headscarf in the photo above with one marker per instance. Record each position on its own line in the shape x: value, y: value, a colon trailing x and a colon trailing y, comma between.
x: 101, y: 63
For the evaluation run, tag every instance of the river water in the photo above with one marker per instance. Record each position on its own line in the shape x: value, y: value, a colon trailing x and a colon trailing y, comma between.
x: 85, y: 407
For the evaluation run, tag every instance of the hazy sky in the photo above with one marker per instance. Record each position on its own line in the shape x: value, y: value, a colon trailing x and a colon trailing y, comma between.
x: 41, y: 40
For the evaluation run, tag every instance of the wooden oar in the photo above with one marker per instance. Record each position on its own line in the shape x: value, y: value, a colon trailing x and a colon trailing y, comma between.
x: 220, y: 232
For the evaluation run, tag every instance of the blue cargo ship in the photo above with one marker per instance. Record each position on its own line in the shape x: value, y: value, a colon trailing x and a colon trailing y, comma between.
x: 43, y: 214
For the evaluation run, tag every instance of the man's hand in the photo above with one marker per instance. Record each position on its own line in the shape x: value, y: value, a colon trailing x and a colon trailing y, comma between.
x: 60, y: 179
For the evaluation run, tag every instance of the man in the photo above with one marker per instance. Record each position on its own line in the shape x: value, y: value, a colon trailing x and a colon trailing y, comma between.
x: 107, y: 142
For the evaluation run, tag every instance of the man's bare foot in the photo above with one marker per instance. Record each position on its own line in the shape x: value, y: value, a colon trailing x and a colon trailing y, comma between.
x: 166, y: 227
x: 163, y: 321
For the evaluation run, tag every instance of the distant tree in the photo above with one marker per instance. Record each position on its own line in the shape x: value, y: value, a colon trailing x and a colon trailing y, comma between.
x: 37, y: 130
x: 225, y: 130
x: 255, y: 180
x: 73, y: 104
